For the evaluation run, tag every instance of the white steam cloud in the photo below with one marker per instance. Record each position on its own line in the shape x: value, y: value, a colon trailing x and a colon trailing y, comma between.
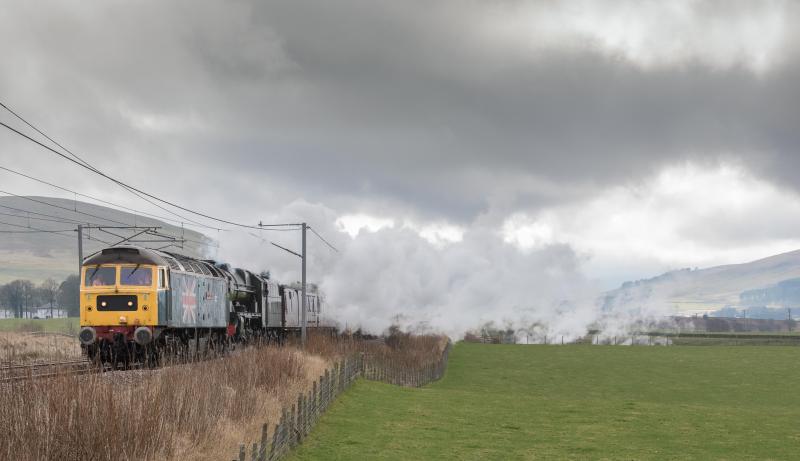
x: 539, y: 272
x: 399, y: 274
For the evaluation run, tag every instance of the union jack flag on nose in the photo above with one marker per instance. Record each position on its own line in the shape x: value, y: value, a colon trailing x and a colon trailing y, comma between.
x: 189, y: 301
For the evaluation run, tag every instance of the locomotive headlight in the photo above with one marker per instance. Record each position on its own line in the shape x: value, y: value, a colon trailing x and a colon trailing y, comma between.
x: 130, y: 303
x: 104, y: 304
x: 123, y: 319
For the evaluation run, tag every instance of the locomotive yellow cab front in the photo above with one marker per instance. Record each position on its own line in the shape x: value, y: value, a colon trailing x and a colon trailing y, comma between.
x: 119, y: 295
x: 119, y: 304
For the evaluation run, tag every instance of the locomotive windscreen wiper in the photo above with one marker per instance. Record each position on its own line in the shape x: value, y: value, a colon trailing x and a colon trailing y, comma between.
x: 132, y: 272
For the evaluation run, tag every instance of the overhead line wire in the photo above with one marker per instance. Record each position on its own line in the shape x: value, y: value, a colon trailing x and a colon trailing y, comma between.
x: 39, y: 219
x: 86, y: 164
x: 78, y: 212
x: 56, y: 232
x: 31, y: 229
x: 65, y: 220
x: 95, y: 170
x: 101, y: 200
x: 321, y: 238
x: 61, y: 207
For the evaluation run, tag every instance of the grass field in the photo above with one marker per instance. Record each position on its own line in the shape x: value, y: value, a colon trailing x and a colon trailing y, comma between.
x: 576, y: 402
x: 66, y: 325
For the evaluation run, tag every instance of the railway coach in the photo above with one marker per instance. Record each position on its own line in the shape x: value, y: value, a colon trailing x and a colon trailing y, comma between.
x: 136, y: 303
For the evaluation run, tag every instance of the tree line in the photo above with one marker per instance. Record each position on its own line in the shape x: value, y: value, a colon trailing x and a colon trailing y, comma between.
x: 22, y: 297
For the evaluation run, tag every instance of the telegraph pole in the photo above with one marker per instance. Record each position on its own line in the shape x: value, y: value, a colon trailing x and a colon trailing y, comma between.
x: 303, y: 282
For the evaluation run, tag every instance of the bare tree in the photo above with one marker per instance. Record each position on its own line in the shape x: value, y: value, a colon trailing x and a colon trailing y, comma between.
x: 5, y: 303
x: 68, y: 294
x: 18, y: 294
x: 49, y: 293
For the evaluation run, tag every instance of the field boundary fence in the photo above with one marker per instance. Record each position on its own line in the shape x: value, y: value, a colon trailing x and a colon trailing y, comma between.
x: 394, y: 372
x: 297, y: 421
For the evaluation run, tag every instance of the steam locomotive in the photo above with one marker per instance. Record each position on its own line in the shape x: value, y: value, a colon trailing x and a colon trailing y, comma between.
x: 136, y: 303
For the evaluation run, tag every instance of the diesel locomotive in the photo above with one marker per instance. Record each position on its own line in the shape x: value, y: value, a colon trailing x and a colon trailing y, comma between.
x: 136, y: 303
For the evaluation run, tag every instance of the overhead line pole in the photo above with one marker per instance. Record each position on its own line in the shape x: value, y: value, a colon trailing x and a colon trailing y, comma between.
x: 303, y: 324
x: 302, y: 256
x: 80, y: 260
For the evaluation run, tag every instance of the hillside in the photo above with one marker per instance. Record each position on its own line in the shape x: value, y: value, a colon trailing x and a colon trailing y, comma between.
x: 766, y: 282
x: 37, y: 256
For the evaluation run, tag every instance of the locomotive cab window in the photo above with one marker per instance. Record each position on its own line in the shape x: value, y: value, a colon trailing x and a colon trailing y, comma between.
x: 100, y: 276
x: 162, y: 278
x: 136, y: 276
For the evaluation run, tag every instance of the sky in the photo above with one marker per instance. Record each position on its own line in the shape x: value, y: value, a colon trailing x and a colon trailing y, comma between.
x: 472, y: 160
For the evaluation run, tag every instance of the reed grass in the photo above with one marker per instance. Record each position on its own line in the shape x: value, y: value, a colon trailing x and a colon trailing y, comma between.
x: 188, y: 411
x: 198, y: 411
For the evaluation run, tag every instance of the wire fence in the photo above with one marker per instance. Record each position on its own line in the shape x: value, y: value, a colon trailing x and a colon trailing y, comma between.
x: 393, y: 372
x: 297, y: 421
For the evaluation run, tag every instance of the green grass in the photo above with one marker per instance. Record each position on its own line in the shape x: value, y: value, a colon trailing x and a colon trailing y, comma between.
x: 576, y: 402
x: 64, y: 325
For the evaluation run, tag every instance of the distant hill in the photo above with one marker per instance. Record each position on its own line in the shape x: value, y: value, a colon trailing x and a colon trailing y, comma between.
x: 770, y: 282
x: 37, y: 256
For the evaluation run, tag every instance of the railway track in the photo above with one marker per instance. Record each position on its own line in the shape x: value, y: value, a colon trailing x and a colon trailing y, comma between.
x: 30, y: 371
x: 15, y: 372
x: 43, y: 370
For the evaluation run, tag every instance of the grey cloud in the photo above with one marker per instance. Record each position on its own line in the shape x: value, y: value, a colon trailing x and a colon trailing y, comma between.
x: 407, y: 104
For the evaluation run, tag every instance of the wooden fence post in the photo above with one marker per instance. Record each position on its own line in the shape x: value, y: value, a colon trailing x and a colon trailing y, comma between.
x: 274, y: 441
x: 315, y: 399
x: 292, y: 425
x: 324, y: 390
x: 300, y: 417
x: 262, y: 451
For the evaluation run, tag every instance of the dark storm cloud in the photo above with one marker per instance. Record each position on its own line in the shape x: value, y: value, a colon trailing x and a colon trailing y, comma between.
x: 411, y: 105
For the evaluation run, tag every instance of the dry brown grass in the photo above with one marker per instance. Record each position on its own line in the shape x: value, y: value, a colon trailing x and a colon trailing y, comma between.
x: 194, y: 411
x: 198, y: 411
x: 400, y: 349
x: 24, y: 347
